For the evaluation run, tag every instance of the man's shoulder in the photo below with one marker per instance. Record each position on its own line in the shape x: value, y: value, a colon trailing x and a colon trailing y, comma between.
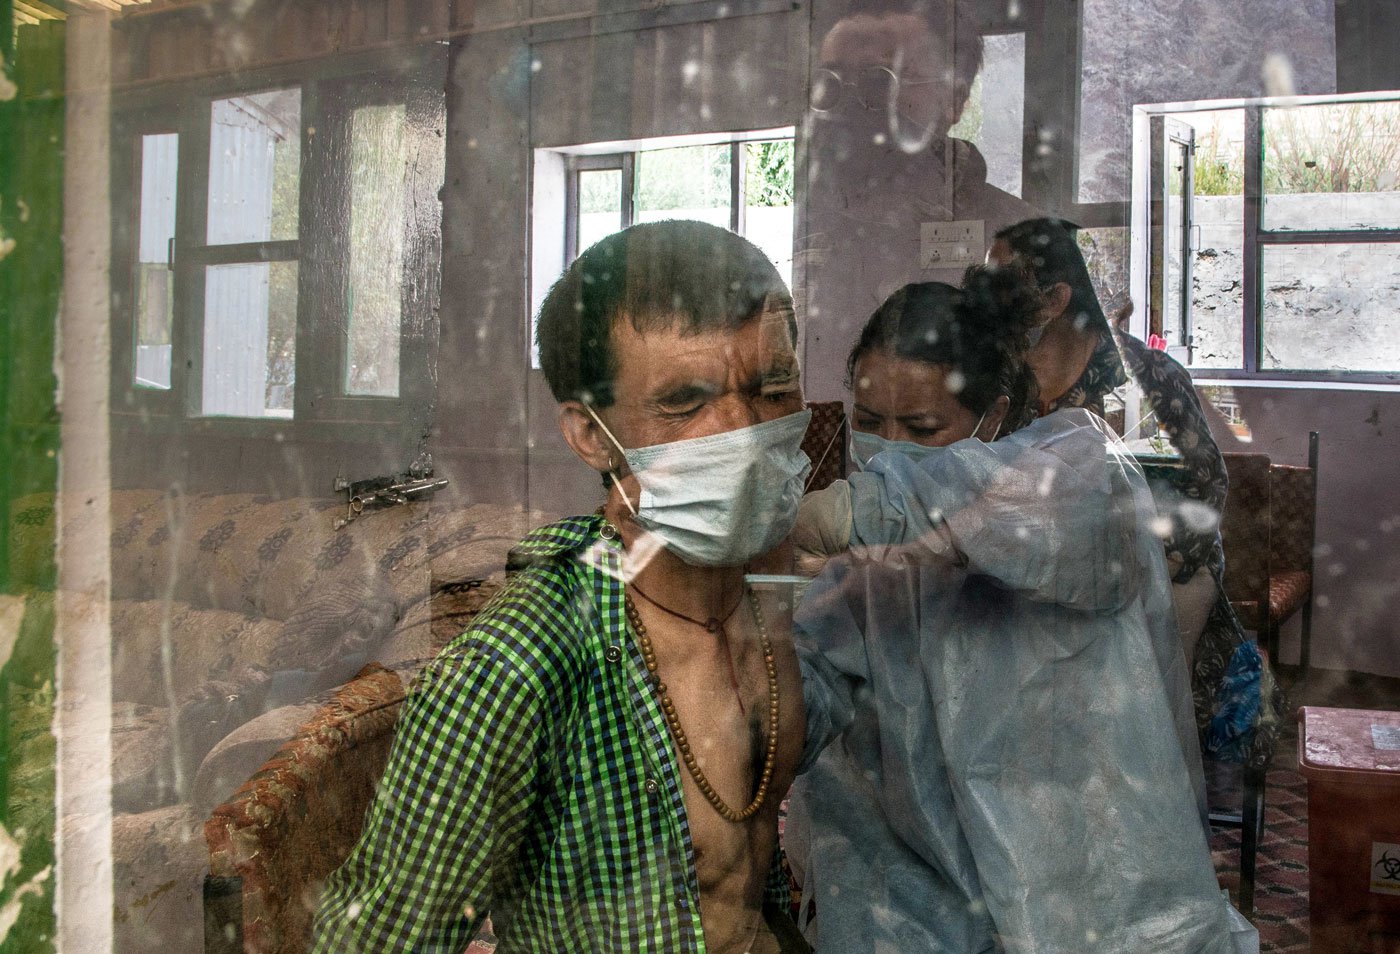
x: 538, y: 624
x: 549, y: 543
x: 977, y: 198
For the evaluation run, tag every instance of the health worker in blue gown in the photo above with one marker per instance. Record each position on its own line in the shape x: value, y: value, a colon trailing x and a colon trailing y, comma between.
x: 1000, y: 736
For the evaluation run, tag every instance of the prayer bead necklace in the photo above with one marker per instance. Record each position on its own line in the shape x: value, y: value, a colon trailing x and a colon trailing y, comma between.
x: 674, y: 722
x: 715, y: 626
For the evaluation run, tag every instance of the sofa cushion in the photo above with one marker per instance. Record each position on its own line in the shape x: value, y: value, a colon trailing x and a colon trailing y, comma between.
x: 249, y: 553
x: 471, y: 542
x: 143, y: 767
x: 158, y: 867
x: 287, y: 551
x: 339, y: 620
x: 204, y: 645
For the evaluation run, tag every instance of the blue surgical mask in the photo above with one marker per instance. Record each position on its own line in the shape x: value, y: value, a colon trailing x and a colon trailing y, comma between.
x: 864, y: 446
x: 724, y: 499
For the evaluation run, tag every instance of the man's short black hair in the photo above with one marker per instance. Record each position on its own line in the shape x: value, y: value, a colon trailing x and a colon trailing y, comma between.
x: 661, y: 275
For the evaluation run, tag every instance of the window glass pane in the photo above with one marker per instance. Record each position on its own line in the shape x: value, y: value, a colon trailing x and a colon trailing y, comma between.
x: 1332, y: 166
x: 254, y: 167
x: 250, y: 314
x: 599, y: 205
x: 1331, y: 307
x: 154, y: 280
x: 994, y: 116
x: 1106, y: 252
x: 1216, y: 320
x: 1174, y: 236
x: 378, y: 182
x: 691, y: 182
x: 768, y: 201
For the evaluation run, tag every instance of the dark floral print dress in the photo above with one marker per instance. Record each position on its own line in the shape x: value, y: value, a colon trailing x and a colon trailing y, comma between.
x: 1238, y: 703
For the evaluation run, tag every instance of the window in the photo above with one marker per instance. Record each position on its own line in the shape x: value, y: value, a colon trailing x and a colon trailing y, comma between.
x: 744, y: 186
x: 379, y: 174
x: 994, y: 118
x: 154, y: 277
x: 236, y: 307
x: 582, y: 194
x: 1274, y: 237
x: 249, y: 261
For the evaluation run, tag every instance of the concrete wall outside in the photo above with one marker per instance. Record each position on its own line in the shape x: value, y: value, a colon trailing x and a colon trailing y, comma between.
x: 1167, y: 51
x: 1326, y: 307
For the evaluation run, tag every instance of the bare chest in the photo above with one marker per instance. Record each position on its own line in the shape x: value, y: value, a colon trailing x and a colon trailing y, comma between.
x: 735, y: 768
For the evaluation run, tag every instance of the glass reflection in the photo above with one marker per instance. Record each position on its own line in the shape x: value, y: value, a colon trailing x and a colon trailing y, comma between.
x: 271, y: 280
x: 155, y: 262
x: 378, y: 186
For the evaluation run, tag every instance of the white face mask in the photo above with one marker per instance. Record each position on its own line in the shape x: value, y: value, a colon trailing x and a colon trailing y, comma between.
x: 724, y: 499
x: 864, y: 446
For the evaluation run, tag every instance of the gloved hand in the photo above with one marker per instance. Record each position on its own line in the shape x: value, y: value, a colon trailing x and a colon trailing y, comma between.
x: 824, y: 521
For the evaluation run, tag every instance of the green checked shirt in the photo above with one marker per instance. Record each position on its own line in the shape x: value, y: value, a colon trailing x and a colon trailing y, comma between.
x: 533, y: 778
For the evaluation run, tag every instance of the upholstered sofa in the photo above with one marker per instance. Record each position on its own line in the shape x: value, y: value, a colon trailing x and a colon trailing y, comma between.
x: 259, y: 658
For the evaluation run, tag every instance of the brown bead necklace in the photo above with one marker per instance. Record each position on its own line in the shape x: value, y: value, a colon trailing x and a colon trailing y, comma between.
x: 715, y: 626
x: 674, y: 722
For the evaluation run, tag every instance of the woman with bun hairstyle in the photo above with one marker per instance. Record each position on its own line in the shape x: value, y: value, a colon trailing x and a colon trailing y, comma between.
x: 1000, y: 741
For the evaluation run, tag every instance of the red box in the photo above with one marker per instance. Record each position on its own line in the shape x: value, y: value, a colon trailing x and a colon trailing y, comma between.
x: 1351, y: 759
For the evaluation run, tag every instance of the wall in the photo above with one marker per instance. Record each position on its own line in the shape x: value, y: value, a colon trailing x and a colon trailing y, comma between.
x: 1358, y: 555
x: 1166, y: 51
x: 580, y: 74
x: 1326, y: 307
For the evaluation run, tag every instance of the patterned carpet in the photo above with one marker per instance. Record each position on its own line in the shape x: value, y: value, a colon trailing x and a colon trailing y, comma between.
x: 1281, y: 872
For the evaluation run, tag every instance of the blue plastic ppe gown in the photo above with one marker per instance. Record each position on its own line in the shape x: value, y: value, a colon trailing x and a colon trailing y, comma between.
x: 1012, y: 760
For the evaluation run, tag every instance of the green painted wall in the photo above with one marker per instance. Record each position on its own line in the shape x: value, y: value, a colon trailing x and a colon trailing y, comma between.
x: 31, y: 272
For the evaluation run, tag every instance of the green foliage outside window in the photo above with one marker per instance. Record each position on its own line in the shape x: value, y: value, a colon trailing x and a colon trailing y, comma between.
x: 697, y: 177
x: 1329, y: 148
x: 769, y: 168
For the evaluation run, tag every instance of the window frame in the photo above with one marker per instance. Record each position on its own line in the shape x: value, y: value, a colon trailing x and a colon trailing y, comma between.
x: 194, y: 254
x: 323, y: 317
x: 554, y: 225
x: 626, y: 162
x: 128, y: 131
x: 1255, y: 237
x: 319, y: 396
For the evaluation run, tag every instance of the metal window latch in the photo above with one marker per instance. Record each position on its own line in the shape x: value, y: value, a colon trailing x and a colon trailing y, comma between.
x: 379, y: 492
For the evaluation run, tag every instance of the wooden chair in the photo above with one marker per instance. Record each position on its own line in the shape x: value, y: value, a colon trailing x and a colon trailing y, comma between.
x: 1245, y: 529
x: 825, y: 443
x: 294, y: 822
x: 1293, y: 533
x: 1269, y: 528
x: 1269, y: 550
